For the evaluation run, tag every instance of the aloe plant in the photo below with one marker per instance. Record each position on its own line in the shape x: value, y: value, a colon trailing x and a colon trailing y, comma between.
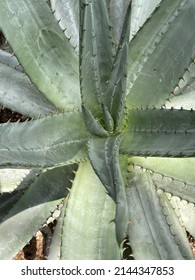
x: 108, y: 88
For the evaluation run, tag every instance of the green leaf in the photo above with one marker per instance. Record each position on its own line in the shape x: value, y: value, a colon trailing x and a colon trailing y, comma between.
x: 160, y: 132
x: 9, y: 60
x: 88, y: 231
x: 177, y: 169
x: 160, y: 52
x: 116, y: 86
x: 170, y: 210
x: 184, y: 92
x: 20, y: 95
x: 117, y: 11
x: 11, y: 179
x: 56, y: 243
x: 53, y: 140
x: 7, y: 200
x: 108, y: 120
x: 152, y: 235
x: 186, y: 82
x: 37, y: 202
x: 187, y: 213
x: 103, y: 153
x: 103, y: 79
x: 42, y: 49
x: 96, y: 54
x: 185, y: 100
x: 180, y: 189
x: 67, y: 13
x: 93, y: 126
x: 141, y: 10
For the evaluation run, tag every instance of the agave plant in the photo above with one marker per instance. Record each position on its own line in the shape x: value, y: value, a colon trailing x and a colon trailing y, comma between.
x: 108, y: 87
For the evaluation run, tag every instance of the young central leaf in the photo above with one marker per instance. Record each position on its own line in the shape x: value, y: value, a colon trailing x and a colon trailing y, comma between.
x: 103, y: 66
x: 96, y: 54
x: 104, y: 156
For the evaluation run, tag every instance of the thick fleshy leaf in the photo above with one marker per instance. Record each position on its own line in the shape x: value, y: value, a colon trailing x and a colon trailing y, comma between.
x: 186, y: 82
x: 7, y: 200
x: 67, y: 13
x: 53, y: 140
x: 56, y: 243
x: 20, y: 95
x: 176, y: 169
x: 103, y: 153
x: 160, y: 132
x: 108, y: 119
x: 185, y: 91
x: 46, y: 54
x: 115, y: 92
x: 37, y: 202
x: 173, y: 219
x: 103, y: 79
x: 185, y: 100
x: 117, y: 12
x: 92, y: 125
x: 141, y: 10
x: 9, y: 60
x: 88, y: 230
x: 11, y: 179
x: 116, y: 86
x: 187, y: 213
x: 96, y: 54
x: 176, y: 188
x: 153, y: 233
x: 156, y: 54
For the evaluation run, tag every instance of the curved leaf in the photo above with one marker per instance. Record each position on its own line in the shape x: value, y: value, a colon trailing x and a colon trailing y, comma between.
x: 187, y: 214
x: 95, y: 54
x: 184, y: 92
x: 176, y: 188
x: 186, y: 82
x: 170, y: 210
x: 141, y: 10
x: 49, y: 141
x: 18, y: 94
x: 56, y: 243
x: 180, y: 169
x: 116, y: 86
x: 41, y: 197
x: 7, y: 200
x: 67, y: 13
x: 92, y: 125
x: 103, y: 154
x: 185, y: 100
x: 151, y: 235
x: 9, y: 60
x: 11, y: 179
x: 117, y: 12
x: 88, y: 231
x: 160, y: 52
x: 46, y: 54
x: 160, y: 132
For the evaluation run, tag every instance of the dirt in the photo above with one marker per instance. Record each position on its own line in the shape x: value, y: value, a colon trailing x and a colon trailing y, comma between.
x: 37, y: 248
x: 191, y: 240
x: 34, y: 250
x: 7, y: 115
